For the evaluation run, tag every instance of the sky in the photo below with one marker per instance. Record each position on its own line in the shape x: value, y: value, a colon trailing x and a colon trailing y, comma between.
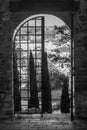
x: 51, y: 20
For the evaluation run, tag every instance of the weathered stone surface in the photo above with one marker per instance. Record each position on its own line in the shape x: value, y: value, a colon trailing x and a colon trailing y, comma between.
x: 48, y: 122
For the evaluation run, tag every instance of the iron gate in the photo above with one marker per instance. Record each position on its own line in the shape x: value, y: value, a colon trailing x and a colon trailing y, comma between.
x: 27, y: 55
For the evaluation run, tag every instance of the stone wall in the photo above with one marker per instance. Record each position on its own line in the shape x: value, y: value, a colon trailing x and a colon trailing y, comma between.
x: 5, y: 64
x: 81, y: 62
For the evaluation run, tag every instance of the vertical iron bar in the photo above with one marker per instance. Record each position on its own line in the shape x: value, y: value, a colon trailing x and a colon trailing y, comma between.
x: 42, y: 43
x: 35, y: 51
x: 28, y: 66
x: 13, y: 50
x: 72, y: 61
x: 20, y: 59
x: 35, y: 44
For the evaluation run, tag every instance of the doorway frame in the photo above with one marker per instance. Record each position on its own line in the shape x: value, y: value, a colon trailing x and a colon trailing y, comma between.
x: 72, y: 61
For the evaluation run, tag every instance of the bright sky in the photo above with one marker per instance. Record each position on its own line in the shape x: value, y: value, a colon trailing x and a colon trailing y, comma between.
x: 51, y: 20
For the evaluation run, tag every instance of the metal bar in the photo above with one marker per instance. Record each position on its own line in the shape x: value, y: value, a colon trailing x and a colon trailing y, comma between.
x: 35, y: 58
x: 13, y: 50
x: 27, y: 58
x: 42, y: 30
x: 33, y: 34
x: 72, y: 65
x: 20, y: 59
x: 27, y: 66
x: 32, y: 26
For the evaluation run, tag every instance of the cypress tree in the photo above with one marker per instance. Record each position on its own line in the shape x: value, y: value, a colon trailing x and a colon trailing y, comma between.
x: 65, y: 101
x: 16, y: 84
x: 33, y: 101
x: 46, y: 90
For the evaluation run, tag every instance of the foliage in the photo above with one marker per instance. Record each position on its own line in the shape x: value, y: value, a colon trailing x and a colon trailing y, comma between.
x: 56, y: 80
x: 46, y: 90
x: 65, y: 33
x: 16, y: 84
x: 62, y: 42
x: 33, y: 101
x: 65, y: 101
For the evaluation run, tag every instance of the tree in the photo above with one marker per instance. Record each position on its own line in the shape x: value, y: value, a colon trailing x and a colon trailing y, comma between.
x: 65, y: 33
x: 33, y: 101
x: 46, y: 90
x: 62, y: 42
x: 65, y: 101
x: 16, y: 84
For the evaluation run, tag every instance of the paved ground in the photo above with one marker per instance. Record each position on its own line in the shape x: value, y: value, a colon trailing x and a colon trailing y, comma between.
x: 47, y: 122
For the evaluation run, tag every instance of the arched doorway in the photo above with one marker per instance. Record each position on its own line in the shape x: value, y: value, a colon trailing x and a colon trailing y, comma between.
x: 30, y: 43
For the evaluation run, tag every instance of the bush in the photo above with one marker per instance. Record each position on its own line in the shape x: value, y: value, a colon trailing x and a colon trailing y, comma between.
x: 65, y: 101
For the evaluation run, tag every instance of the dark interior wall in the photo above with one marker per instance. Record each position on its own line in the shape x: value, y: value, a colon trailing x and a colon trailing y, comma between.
x: 6, y: 65
x: 80, y: 39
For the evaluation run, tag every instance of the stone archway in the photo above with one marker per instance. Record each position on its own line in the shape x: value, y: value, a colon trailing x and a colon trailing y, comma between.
x: 20, y: 25
x: 13, y: 16
x: 16, y: 16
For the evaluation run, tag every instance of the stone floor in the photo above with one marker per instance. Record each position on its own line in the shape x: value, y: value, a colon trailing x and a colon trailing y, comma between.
x: 47, y: 122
